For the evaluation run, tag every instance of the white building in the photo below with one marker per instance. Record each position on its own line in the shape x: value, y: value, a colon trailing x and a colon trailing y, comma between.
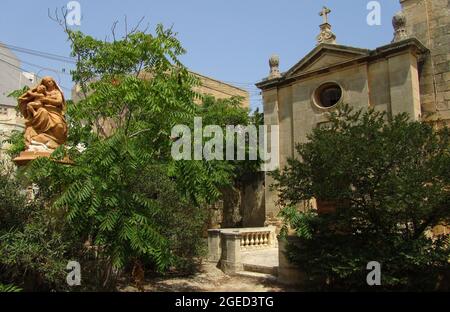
x: 11, y: 78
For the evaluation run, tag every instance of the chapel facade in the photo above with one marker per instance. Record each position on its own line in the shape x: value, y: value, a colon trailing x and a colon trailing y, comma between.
x: 409, y: 75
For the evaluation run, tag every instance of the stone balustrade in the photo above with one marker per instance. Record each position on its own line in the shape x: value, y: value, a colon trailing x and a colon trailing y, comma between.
x: 256, y: 238
x: 225, y: 245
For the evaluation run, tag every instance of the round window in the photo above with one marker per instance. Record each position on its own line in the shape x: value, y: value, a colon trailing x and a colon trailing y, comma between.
x: 328, y: 95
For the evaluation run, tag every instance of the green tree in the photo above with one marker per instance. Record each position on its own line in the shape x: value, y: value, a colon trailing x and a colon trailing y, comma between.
x: 389, y: 182
x: 229, y: 112
x: 134, y: 91
x: 124, y: 201
x: 9, y: 288
x: 124, y: 197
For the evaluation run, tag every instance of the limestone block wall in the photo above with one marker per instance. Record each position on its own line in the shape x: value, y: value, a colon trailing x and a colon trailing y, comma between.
x: 306, y: 115
x: 404, y: 85
x: 387, y: 83
x: 241, y: 206
x: 10, y: 120
x: 380, y: 96
x: 429, y: 21
x: 271, y: 118
x: 220, y: 90
x: 286, y: 119
x: 210, y: 86
x: 253, y: 201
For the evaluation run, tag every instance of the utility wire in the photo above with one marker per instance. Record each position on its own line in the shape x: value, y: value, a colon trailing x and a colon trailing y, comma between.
x: 40, y: 53
x: 38, y: 66
x: 21, y: 70
x: 247, y: 85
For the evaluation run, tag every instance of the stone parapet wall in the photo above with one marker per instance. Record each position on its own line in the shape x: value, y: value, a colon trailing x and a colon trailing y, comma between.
x: 220, y: 90
x: 226, y: 245
x: 429, y: 21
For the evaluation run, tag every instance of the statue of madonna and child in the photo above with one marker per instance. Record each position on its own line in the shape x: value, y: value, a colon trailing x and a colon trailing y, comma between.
x: 43, y: 108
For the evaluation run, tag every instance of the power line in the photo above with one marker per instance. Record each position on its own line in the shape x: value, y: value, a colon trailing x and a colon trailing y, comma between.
x: 249, y: 86
x: 38, y: 66
x: 47, y: 55
x: 255, y: 98
x: 21, y: 70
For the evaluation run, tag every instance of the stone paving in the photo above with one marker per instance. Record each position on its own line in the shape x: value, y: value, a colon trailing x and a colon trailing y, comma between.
x: 209, y: 279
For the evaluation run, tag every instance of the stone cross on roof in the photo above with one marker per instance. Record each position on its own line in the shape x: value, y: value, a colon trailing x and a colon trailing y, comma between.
x: 326, y: 35
x: 325, y: 11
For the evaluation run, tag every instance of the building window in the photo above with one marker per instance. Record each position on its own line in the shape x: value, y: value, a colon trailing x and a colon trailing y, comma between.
x: 3, y: 111
x: 328, y: 95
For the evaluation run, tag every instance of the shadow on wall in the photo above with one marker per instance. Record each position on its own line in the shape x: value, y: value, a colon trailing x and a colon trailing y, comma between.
x: 241, y: 206
x: 253, y: 206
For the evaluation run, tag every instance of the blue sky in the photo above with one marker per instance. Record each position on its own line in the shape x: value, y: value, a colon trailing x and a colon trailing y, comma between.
x: 228, y: 40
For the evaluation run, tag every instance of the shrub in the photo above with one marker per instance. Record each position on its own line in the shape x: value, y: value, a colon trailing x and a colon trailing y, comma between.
x: 388, y: 182
x: 32, y: 248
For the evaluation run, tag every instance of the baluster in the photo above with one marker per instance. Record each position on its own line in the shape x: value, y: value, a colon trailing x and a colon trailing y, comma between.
x: 247, y: 240
x: 252, y: 240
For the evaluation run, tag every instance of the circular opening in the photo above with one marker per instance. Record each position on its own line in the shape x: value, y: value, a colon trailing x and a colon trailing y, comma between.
x: 328, y: 94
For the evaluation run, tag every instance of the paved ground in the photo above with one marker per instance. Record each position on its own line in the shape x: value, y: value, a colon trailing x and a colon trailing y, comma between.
x: 210, y: 279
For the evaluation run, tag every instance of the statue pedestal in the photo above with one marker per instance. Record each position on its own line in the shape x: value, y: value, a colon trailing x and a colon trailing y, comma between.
x: 26, y: 156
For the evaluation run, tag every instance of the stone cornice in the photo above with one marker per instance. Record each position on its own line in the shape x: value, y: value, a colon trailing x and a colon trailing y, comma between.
x: 366, y: 56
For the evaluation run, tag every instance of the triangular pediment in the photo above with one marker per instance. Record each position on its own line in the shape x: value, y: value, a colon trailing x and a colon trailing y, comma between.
x: 324, y: 56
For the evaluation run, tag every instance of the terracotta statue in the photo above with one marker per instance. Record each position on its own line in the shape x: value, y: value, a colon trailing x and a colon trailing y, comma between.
x: 45, y: 127
x: 43, y: 108
x: 31, y: 107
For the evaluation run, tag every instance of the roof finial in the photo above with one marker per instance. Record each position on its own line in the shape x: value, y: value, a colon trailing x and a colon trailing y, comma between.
x: 399, y: 23
x: 274, y: 63
x: 326, y: 35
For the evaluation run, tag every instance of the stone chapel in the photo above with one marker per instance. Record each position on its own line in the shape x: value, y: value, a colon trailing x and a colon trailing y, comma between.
x: 410, y: 74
